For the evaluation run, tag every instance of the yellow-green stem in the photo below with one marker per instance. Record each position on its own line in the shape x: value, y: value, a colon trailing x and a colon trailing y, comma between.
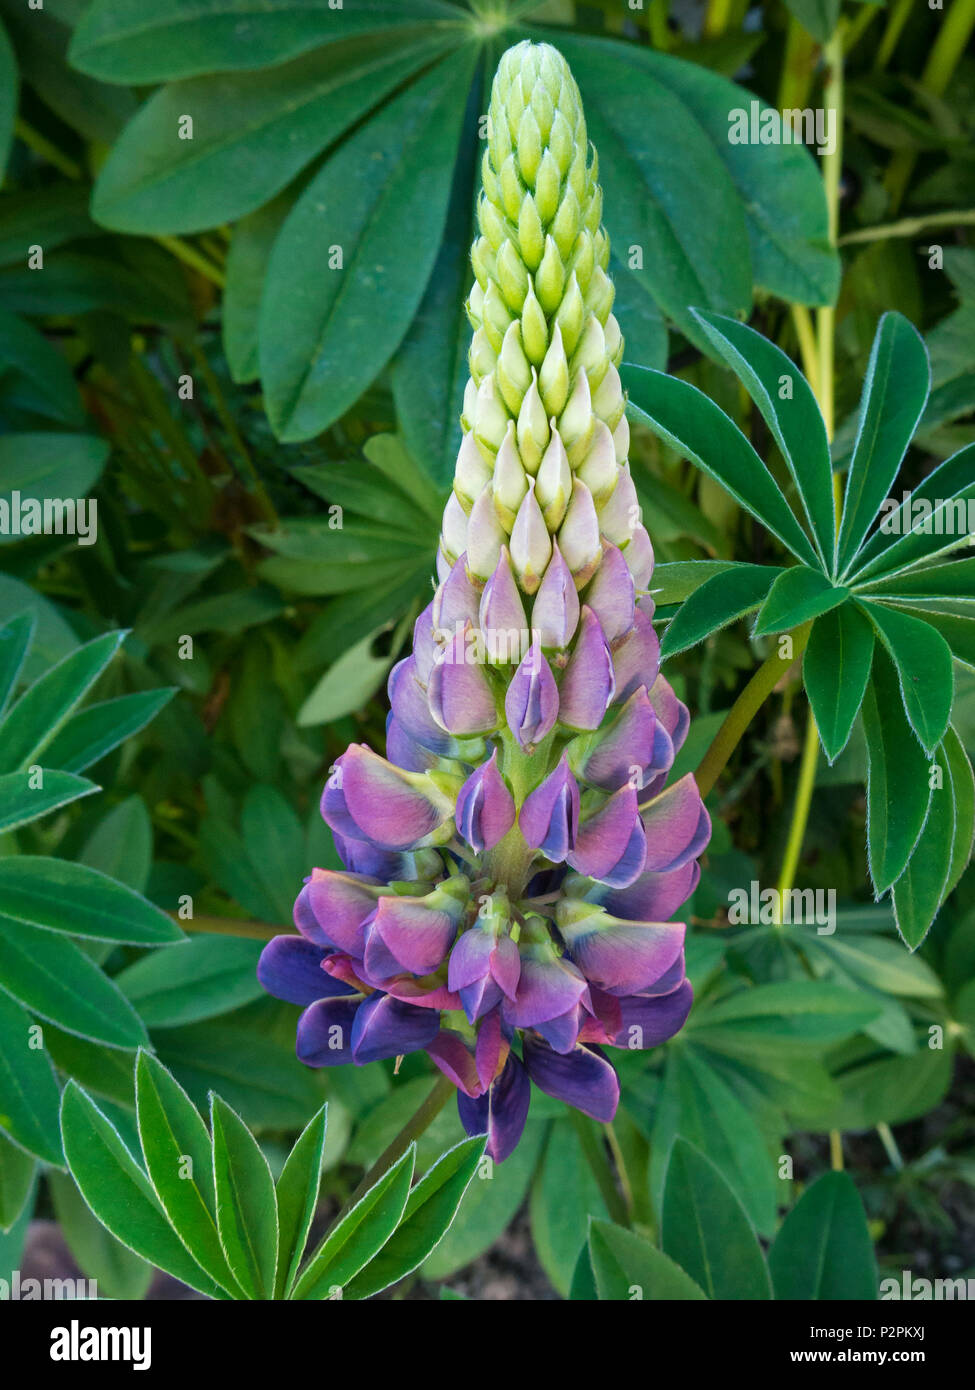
x: 743, y: 711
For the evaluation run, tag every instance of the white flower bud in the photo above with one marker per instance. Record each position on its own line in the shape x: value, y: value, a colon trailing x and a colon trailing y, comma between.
x: 620, y: 515
x: 514, y: 373
x: 608, y: 401
x: 471, y: 473
x: 553, y: 378
x: 598, y: 469
x: 532, y: 428
x: 510, y: 483
x: 454, y: 533
x: 531, y: 544
x: 490, y: 416
x: 579, y: 536
x: 553, y: 485
x: 485, y: 537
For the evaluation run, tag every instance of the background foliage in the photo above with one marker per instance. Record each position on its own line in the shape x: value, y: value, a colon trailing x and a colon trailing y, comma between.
x: 270, y: 456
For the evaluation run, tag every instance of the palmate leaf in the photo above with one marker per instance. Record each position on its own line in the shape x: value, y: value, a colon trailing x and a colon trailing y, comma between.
x: 252, y: 134
x: 894, y: 394
x: 795, y: 419
x: 389, y: 184
x: 23, y: 800
x: 835, y: 670
x: 697, y: 428
x: 246, y: 1204
x: 80, y: 901
x: 123, y: 41
x: 898, y: 789
x: 797, y: 595
x: 297, y: 1197
x: 720, y: 600
x: 705, y: 1230
x: 824, y: 1250
x: 88, y: 734
x: 917, y: 537
x: 922, y: 659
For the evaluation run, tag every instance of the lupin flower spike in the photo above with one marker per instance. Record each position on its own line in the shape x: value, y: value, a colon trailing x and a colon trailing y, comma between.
x: 514, y: 862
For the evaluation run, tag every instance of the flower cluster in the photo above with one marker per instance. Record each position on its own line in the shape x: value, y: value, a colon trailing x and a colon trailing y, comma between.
x: 513, y: 864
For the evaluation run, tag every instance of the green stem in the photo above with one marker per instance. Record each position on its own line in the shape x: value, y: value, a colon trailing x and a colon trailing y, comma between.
x: 716, y: 19
x: 230, y: 926
x: 890, y: 1146
x: 798, y: 65
x: 743, y: 711
x: 946, y: 53
x: 896, y: 19
x: 417, y: 1124
x: 594, y: 1151
x: 911, y: 226
x: 836, y: 1150
x: 800, y: 813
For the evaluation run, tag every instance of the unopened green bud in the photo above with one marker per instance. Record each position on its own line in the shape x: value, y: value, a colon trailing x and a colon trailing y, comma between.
x: 529, y: 146
x: 579, y: 537
x: 475, y: 305
x: 575, y: 424
x: 544, y: 109
x: 600, y: 294
x: 510, y: 483
x: 482, y: 261
x: 607, y: 400
x: 562, y: 144
x: 548, y: 187
x: 553, y: 485
x: 533, y: 430
x: 472, y: 474
x: 491, y: 223
x: 621, y: 440
x: 469, y: 413
x: 512, y: 276
x: 578, y: 175
x: 531, y: 544
x: 550, y: 278
x: 534, y: 328
x: 571, y: 315
x: 484, y: 537
x: 568, y: 221
x: 614, y: 340
x: 514, y: 371
x: 489, y: 180
x: 531, y: 233
x: 553, y: 377
x: 510, y: 188
x: 481, y: 357
x: 490, y: 416
x: 496, y: 316
x: 583, y: 259
x: 598, y: 469
x: 590, y: 355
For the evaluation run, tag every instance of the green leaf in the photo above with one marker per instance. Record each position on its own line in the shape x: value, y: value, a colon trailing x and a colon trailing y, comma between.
x: 564, y: 1195
x: 898, y: 790
x: 700, y: 431
x: 121, y: 844
x: 297, y: 1197
x: 104, y: 1070
x: 695, y: 244
x: 488, y: 1209
x: 30, y: 725
x: 705, y: 1230
x: 9, y: 87
x: 430, y: 1209
x: 791, y: 1012
x: 252, y: 133
x: 15, y: 640
x: 795, y: 419
x: 46, y: 386
x: 118, y: 1272
x: 349, y: 684
x: 209, y: 975
x: 47, y: 467
x: 720, y: 600
x: 893, y: 1090
x: 179, y: 1161
x: 894, y: 394
x: 923, y: 527
x: 80, y: 901
x: 52, y: 977
x: 48, y: 216
x: 835, y: 671
x: 250, y: 250
x: 882, y: 964
x: 430, y: 370
x: 247, y: 1210
x: 696, y: 1104
x: 823, y: 1250
x: 323, y: 341
x: 623, y: 1264
x: 119, y: 1192
x: 22, y: 802
x: 779, y: 185
x: 963, y: 793
x: 122, y: 41
x: 360, y: 1235
x: 675, y: 581
x: 921, y: 889
x: 29, y: 1096
x: 86, y: 736
x: 17, y: 1170
x: 922, y: 658
x: 817, y: 17
x: 798, y: 595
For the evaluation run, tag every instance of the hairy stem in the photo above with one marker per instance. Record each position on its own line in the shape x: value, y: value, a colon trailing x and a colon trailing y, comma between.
x: 743, y: 711
x: 417, y: 1124
x: 594, y: 1151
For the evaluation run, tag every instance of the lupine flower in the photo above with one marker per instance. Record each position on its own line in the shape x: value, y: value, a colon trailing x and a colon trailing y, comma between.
x: 514, y: 863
